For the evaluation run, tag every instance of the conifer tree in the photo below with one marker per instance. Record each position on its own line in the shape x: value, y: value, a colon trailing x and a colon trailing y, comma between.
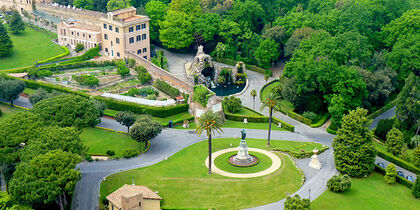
x: 6, y: 44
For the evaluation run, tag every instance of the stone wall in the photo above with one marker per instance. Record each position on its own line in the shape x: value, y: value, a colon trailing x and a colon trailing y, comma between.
x: 160, y: 73
x: 84, y: 16
x: 10, y: 4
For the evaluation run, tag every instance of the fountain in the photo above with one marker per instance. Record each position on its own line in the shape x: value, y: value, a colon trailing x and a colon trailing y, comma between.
x: 243, y: 158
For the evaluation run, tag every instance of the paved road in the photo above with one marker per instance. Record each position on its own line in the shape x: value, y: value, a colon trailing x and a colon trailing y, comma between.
x: 386, y: 115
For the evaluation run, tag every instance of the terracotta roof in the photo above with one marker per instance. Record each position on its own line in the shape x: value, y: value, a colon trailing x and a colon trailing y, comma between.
x: 132, y: 18
x: 131, y: 190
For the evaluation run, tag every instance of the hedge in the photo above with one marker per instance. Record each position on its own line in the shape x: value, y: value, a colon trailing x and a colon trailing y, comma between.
x: 299, y: 117
x: 258, y: 119
x: 76, y: 65
x: 247, y: 66
x: 266, y: 85
x: 155, y: 111
x: 398, y: 161
x: 383, y: 109
x: 331, y: 131
x: 66, y: 53
x: 166, y: 88
x: 300, y: 155
x: 176, y: 121
x: 321, y: 121
x: 202, y: 95
x: 400, y: 180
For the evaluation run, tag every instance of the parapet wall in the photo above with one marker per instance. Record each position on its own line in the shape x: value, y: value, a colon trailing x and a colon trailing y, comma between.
x: 85, y: 16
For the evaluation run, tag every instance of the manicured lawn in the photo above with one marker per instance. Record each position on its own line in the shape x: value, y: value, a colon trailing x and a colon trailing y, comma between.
x: 7, y: 111
x: 28, y: 91
x: 269, y: 88
x: 247, y: 112
x: 251, y: 125
x: 179, y: 116
x: 30, y: 46
x: 368, y: 193
x: 183, y: 182
x: 99, y: 141
x: 222, y: 163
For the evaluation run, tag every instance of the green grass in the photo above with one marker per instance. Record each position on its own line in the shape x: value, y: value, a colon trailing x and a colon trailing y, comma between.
x: 29, y: 91
x: 222, y: 163
x: 7, y: 111
x: 251, y: 125
x: 269, y: 88
x: 99, y: 141
x: 183, y: 182
x: 246, y: 112
x: 110, y: 112
x: 179, y: 116
x: 30, y: 46
x: 368, y: 193
x: 284, y: 104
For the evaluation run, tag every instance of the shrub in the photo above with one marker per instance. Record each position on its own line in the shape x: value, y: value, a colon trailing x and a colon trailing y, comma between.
x: 130, y: 153
x: 166, y: 88
x: 397, y: 161
x: 89, y: 158
x: 86, y: 80
x: 201, y: 95
x: 133, y: 91
x: 416, y: 189
x: 296, y: 203
x: 143, y: 75
x: 123, y: 70
x: 394, y: 141
x: 416, y: 156
x: 44, y: 73
x: 299, y: 117
x: 339, y: 183
x: 145, y: 129
x: 131, y: 62
x: 310, y: 115
x: 233, y: 104
x: 79, y: 47
x: 110, y: 152
x: 391, y: 173
x: 383, y: 127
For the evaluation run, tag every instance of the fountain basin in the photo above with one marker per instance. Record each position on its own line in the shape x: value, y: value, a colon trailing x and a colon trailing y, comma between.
x: 252, y: 161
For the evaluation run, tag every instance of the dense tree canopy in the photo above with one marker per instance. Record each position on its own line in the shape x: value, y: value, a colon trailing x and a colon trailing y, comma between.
x: 145, y: 129
x: 6, y: 44
x: 156, y: 10
x: 10, y: 89
x: 16, y: 23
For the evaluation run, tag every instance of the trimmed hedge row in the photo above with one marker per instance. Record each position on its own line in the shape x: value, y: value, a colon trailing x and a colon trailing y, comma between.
x: 383, y: 109
x: 331, y: 131
x: 155, y: 111
x: 266, y: 85
x: 202, y: 94
x: 66, y: 53
x: 400, y: 180
x: 299, y: 117
x: 321, y: 121
x: 300, y: 155
x: 248, y: 66
x: 77, y: 65
x: 166, y: 88
x: 398, y: 161
x: 180, y: 120
x: 258, y: 119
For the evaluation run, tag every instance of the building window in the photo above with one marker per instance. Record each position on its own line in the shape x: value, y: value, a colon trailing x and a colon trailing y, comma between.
x: 106, y: 50
x: 143, y: 36
x: 118, y: 54
x: 104, y: 25
x: 131, y: 29
x: 145, y: 57
x: 117, y: 40
x: 137, y: 27
x: 131, y: 40
x: 90, y: 36
x: 138, y: 52
x: 138, y: 38
x: 84, y: 35
x: 77, y: 33
x: 117, y: 29
x: 106, y: 36
x: 144, y: 50
x: 143, y: 26
x: 72, y: 33
x: 110, y: 27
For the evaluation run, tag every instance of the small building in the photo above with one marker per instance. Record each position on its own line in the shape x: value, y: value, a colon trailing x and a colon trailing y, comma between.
x: 134, y: 197
x: 72, y: 32
x: 179, y: 100
x: 19, y: 75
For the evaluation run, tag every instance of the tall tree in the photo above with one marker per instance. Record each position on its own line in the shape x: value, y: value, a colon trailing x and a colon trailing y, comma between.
x: 354, y: 152
x: 211, y: 123
x: 208, y: 25
x: 15, y: 22
x: 271, y: 101
x: 156, y: 10
x: 407, y: 24
x: 408, y: 106
x: 248, y: 14
x: 6, y: 44
x: 394, y: 141
x: 45, y: 179
x: 85, y: 4
x: 253, y: 95
x: 10, y: 89
x: 145, y: 129
x: 117, y: 4
x: 126, y: 118
x: 176, y: 31
x: 267, y: 53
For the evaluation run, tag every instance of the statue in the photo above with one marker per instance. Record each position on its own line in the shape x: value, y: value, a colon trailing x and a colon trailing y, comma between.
x: 243, y: 156
x: 315, y: 164
x: 243, y: 134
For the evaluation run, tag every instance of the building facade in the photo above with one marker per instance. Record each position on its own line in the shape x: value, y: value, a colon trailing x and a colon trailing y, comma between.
x: 120, y: 31
x: 134, y: 197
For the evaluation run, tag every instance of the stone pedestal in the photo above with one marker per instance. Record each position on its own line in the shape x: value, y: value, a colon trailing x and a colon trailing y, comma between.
x: 315, y: 164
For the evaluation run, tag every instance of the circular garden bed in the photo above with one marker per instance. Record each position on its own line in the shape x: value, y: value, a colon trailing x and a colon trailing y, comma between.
x: 222, y: 162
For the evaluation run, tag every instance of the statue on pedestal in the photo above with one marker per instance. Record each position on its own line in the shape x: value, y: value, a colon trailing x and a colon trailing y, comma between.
x: 243, y: 155
x: 315, y: 164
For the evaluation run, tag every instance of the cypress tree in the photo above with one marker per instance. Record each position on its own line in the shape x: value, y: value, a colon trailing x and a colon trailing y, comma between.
x: 16, y: 24
x: 6, y: 44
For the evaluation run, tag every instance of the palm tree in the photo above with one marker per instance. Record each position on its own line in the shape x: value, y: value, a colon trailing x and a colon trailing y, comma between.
x: 209, y: 122
x: 254, y: 94
x: 271, y: 101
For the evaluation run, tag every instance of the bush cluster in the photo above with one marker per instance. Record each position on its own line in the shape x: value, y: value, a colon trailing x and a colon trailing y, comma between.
x: 122, y: 69
x: 398, y: 161
x: 44, y: 73
x: 400, y: 180
x: 79, y: 47
x: 166, y: 88
x: 143, y: 75
x: 339, y: 183
x: 201, y: 95
x: 129, y: 153
x: 232, y: 104
x: 299, y: 117
x: 110, y: 152
x: 86, y: 80
x: 390, y: 174
x: 294, y: 203
x: 383, y: 127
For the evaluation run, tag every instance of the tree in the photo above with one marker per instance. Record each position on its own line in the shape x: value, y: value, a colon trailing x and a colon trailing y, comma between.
x: 380, y: 85
x: 126, y: 118
x: 271, y: 101
x: 416, y: 156
x: 276, y: 33
x: 407, y: 24
x: 351, y: 48
x: 390, y: 174
x: 6, y: 44
x: 232, y: 104
x: 53, y: 138
x: 394, y: 141
x: 38, y: 95
x: 267, y: 53
x: 68, y: 110
x: 408, y: 106
x: 248, y: 13
x: 156, y: 10
x: 176, y: 31
x: 79, y: 47
x: 384, y: 125
x: 145, y: 128
x: 85, y: 4
x: 253, y: 95
x: 15, y: 22
x: 403, y: 57
x: 123, y: 70
x: 416, y: 189
x: 5, y: 200
x: 10, y: 89
x: 296, y: 203
x: 354, y: 152
x: 339, y: 183
x: 294, y: 41
x: 45, y: 179
x: 211, y: 123
x: 208, y: 25
x: 117, y: 4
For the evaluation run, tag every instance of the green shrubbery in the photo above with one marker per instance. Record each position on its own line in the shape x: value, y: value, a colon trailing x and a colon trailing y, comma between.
x: 44, y: 73
x: 130, y: 153
x: 86, y: 80
x: 398, y: 161
x: 321, y: 121
x: 79, y: 47
x: 143, y: 75
x: 416, y: 189
x: 201, y: 95
x: 232, y: 104
x: 110, y: 152
x: 122, y: 69
x: 166, y: 88
x: 383, y: 127
x: 296, y: 203
x: 390, y: 174
x: 339, y: 183
x: 299, y: 117
x: 144, y: 91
